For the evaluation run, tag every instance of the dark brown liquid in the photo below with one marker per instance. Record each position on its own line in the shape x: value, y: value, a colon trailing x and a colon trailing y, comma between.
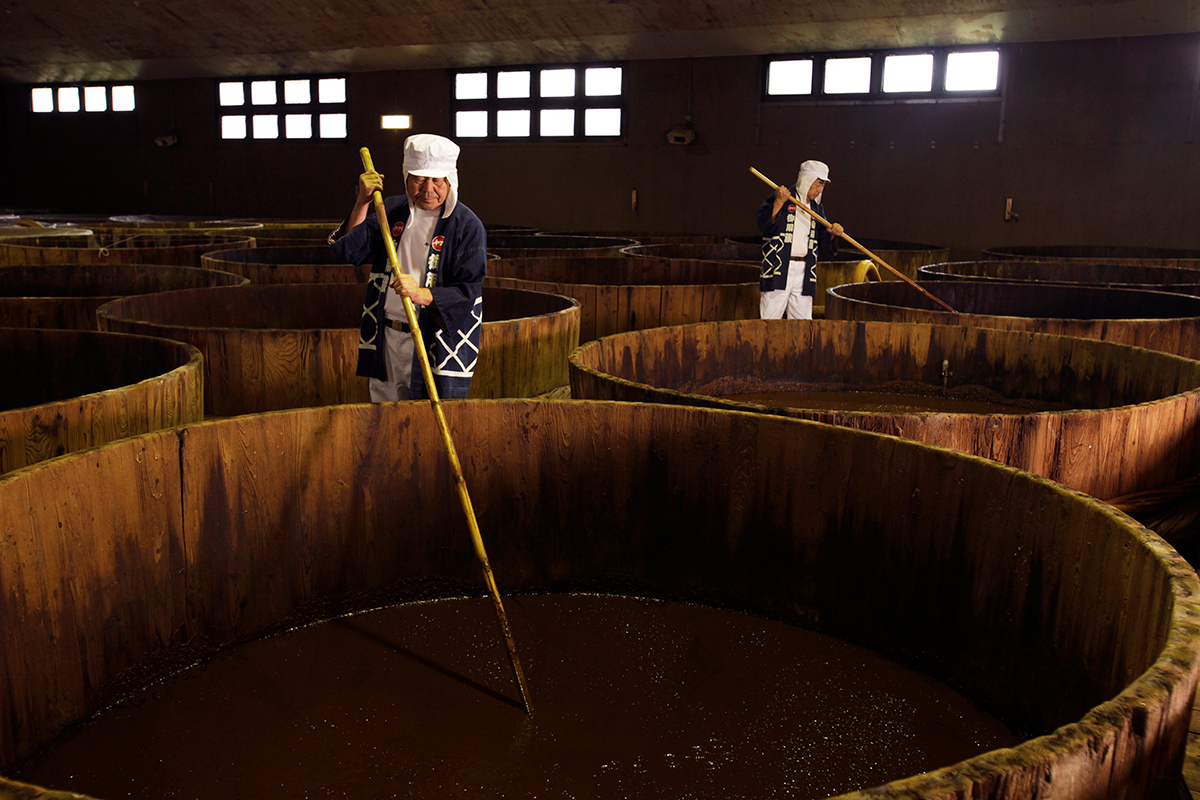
x: 882, y: 402
x: 631, y: 698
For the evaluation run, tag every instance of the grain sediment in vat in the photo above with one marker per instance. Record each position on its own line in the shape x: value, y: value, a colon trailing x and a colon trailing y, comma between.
x: 67, y: 295
x: 617, y: 293
x: 118, y: 247
x: 315, y: 263
x: 1069, y: 273
x: 1154, y: 320
x: 279, y: 346
x: 508, y: 245
x: 115, y: 386
x: 1069, y: 620
x: 1128, y: 418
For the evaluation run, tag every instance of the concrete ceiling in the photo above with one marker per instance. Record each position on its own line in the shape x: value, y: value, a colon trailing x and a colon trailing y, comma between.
x: 99, y: 40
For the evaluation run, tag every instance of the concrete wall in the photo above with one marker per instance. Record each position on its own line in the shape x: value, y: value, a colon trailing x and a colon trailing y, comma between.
x: 1093, y: 141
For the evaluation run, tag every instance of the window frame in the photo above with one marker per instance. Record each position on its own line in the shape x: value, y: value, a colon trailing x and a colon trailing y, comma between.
x: 875, y: 93
x: 280, y: 109
x: 82, y: 88
x: 580, y: 102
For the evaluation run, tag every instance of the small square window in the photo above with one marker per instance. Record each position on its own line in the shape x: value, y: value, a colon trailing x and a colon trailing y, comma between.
x: 331, y: 90
x: 233, y: 127
x: 68, y: 98
x: 122, y: 98
x: 602, y: 122
x: 42, y: 100
x: 848, y: 75
x: 263, y: 93
x: 298, y: 126
x: 470, y: 86
x: 557, y: 122
x: 265, y: 126
x: 910, y: 73
x: 790, y: 77
x: 977, y: 71
x: 512, y: 122
x: 557, y: 83
x: 95, y: 98
x: 297, y: 92
x: 602, y: 81
x: 471, y: 123
x: 333, y: 126
x: 231, y: 93
x: 512, y: 84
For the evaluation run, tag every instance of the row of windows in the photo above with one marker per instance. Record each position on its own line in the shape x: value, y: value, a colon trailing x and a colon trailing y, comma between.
x: 550, y: 102
x: 930, y: 73
x: 583, y: 102
x: 70, y: 99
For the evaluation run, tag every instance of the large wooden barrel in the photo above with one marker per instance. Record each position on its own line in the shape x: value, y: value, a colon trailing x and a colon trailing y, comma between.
x: 1155, y: 320
x: 905, y: 257
x: 1070, y: 273
x: 67, y: 295
x: 741, y: 253
x: 271, y: 347
x: 650, y: 237
x: 508, y: 245
x: 1126, y: 423
x: 313, y: 263
x: 290, y: 232
x: 118, y: 247
x: 622, y: 294
x: 1148, y: 256
x: 1075, y: 625
x: 69, y: 390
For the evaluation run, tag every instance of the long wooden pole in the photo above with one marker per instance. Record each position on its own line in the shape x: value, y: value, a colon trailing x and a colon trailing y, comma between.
x: 459, y: 481
x: 862, y: 249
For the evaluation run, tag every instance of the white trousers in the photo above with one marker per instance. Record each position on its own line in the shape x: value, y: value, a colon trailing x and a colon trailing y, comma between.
x: 398, y: 359
x: 773, y: 304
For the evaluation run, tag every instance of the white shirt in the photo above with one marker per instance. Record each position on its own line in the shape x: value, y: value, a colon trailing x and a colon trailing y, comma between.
x: 412, y: 251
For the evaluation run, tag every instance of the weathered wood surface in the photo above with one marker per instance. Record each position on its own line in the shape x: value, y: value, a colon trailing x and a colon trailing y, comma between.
x: 290, y: 232
x: 69, y: 390
x: 118, y: 247
x: 1133, y: 423
x: 838, y: 273
x: 274, y: 347
x: 67, y: 295
x: 527, y: 246
x: 698, y: 252
x: 1062, y: 616
x: 1149, y: 256
x: 618, y: 294
x: 1070, y: 273
x: 1154, y: 320
x: 315, y: 263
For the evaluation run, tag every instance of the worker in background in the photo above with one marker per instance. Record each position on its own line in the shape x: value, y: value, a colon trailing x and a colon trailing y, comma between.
x: 791, y: 239
x: 442, y: 249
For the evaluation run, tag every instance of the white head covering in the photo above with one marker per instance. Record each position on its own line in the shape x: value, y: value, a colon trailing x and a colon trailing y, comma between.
x: 431, y: 156
x: 809, y: 172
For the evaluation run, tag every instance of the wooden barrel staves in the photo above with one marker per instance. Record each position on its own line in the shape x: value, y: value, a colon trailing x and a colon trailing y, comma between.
x: 315, y: 263
x: 67, y: 390
x: 118, y: 247
x: 1070, y: 273
x: 907, y: 257
x: 1123, y: 421
x: 1146, y: 256
x: 1154, y: 320
x: 67, y: 295
x: 283, y: 346
x: 617, y: 294
x: 527, y: 246
x: 1075, y: 625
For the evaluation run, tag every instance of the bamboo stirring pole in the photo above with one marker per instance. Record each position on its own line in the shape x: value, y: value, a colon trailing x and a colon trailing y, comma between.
x: 864, y: 250
x: 459, y: 481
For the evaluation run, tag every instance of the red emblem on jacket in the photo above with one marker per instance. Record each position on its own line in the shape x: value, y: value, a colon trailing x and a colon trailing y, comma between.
x: 398, y: 229
x: 791, y: 208
x: 437, y: 243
